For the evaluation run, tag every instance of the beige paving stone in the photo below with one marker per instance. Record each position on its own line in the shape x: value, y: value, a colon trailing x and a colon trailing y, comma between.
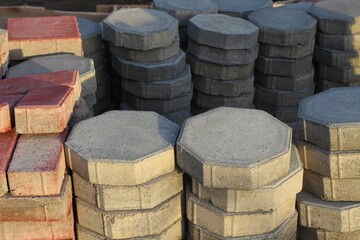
x: 329, y: 216
x: 129, y: 224
x: 320, y: 234
x: 266, y: 198
x: 97, y: 151
x: 231, y: 160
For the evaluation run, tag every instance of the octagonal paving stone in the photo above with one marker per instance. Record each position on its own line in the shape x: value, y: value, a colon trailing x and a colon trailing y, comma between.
x: 241, y: 8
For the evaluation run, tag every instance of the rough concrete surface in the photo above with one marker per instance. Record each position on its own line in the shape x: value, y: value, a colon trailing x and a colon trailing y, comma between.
x: 338, y: 74
x: 90, y: 35
x: 292, y: 52
x: 285, y: 114
x: 323, y: 84
x: 337, y: 58
x: 338, y: 42
x: 241, y: 8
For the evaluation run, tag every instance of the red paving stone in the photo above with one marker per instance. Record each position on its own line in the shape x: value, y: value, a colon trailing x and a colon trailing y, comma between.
x: 45, y: 110
x: 7, y: 104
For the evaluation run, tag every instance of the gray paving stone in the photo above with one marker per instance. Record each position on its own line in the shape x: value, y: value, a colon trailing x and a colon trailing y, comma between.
x: 81, y: 112
x: 338, y: 74
x: 150, y: 71
x: 285, y: 114
x: 241, y: 8
x: 183, y: 34
x: 152, y: 55
x: 336, y: 17
x: 103, y: 90
x: 293, y: 52
x: 90, y: 35
x: 160, y: 90
x: 209, y: 101
x: 336, y: 58
x: 221, y: 31
x: 102, y: 73
x: 196, y: 110
x: 303, y: 6
x: 222, y: 88
x: 223, y: 56
x: 141, y: 29
x: 338, y: 42
x: 183, y: 10
x: 90, y: 100
x: 97, y: 151
x: 320, y: 234
x: 99, y: 56
x: 217, y: 162
x: 285, y: 83
x: 323, y: 84
x: 178, y: 117
x: 284, y: 27
x: 280, y: 98
x: 331, y: 119
x: 220, y: 72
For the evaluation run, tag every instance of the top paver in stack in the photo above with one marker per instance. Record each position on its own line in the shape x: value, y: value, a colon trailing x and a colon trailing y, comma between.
x: 330, y: 150
x: 125, y: 180
x: 4, y: 52
x: 337, y: 53
x: 284, y: 72
x: 222, y: 52
x: 183, y: 10
x: 241, y: 8
x: 146, y: 55
x: 245, y: 176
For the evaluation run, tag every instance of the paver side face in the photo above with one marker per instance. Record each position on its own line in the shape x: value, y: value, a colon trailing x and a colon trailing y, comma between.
x: 234, y: 148
x: 331, y: 119
x: 241, y: 8
x: 4, y: 47
x: 122, y: 148
x: 7, y: 104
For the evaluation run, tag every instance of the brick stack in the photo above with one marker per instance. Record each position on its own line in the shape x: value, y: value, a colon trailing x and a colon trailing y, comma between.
x: 126, y: 187
x: 337, y: 52
x: 330, y: 153
x: 145, y: 53
x: 241, y: 8
x: 284, y: 72
x: 222, y: 52
x: 183, y: 10
x: 4, y: 52
x: 240, y: 189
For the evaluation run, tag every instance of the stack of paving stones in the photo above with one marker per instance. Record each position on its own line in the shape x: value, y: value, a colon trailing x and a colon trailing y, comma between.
x: 330, y: 202
x: 145, y: 53
x: 4, y: 52
x: 241, y: 8
x: 244, y: 177
x: 91, y: 35
x: 221, y: 52
x: 183, y: 10
x: 284, y: 72
x: 126, y: 187
x: 337, y: 52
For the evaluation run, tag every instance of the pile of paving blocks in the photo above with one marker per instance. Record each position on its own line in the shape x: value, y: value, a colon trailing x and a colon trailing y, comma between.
x: 244, y: 177
x: 284, y: 71
x: 241, y: 8
x: 145, y: 53
x: 222, y: 52
x: 125, y: 181
x: 183, y: 10
x: 4, y: 52
x: 330, y: 153
x: 337, y: 52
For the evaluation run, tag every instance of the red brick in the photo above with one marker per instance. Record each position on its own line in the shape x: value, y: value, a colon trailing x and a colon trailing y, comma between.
x: 7, y: 104
x: 37, y: 167
x: 36, y: 36
x: 7, y: 145
x: 45, y: 110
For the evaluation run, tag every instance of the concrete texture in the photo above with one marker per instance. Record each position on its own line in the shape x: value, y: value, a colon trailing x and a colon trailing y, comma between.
x: 152, y: 55
x: 183, y: 10
x: 266, y: 198
x: 129, y: 224
x: 40, y: 172
x: 338, y: 42
x: 221, y: 31
x: 209, y: 101
x: 90, y: 35
x: 220, y: 72
x: 90, y: 100
x: 284, y: 114
x: 144, y: 196
x: 103, y: 90
x: 280, y: 98
x: 226, y: 224
x: 337, y: 58
x: 284, y: 66
x: 223, y: 56
x: 284, y: 27
x: 56, y: 63
x: 286, y: 231
x: 223, y: 88
x: 150, y: 71
x: 292, y: 52
x: 97, y: 151
x: 98, y: 56
x: 338, y: 74
x: 322, y: 84
x: 229, y: 160
x: 160, y: 90
x: 141, y: 29
x: 336, y: 17
x: 179, y: 117
x: 315, y: 213
x: 322, y: 127
x: 275, y: 82
x: 7, y: 105
x: 241, y: 8
x: 302, y: 6
x: 320, y: 234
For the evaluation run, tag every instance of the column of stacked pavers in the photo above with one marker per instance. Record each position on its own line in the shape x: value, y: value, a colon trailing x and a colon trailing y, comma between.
x: 284, y: 72
x: 146, y: 55
x: 125, y: 180
x: 4, y: 52
x: 330, y: 202
x: 241, y: 8
x: 183, y: 10
x: 337, y: 52
x: 222, y: 52
x: 245, y: 175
